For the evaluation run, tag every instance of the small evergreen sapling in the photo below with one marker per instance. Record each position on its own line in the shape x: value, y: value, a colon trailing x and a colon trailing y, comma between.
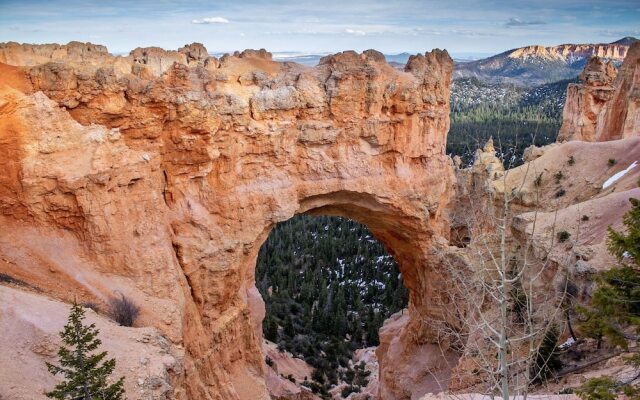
x: 85, y: 372
x: 547, y: 358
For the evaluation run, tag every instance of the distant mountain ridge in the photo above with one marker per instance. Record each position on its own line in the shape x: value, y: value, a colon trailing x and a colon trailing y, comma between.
x: 536, y: 65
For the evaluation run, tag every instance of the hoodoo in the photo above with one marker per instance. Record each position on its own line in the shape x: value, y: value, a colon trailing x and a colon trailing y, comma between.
x: 605, y: 105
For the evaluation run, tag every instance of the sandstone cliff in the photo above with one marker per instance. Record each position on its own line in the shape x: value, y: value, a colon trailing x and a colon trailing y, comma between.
x: 158, y: 175
x: 571, y: 52
x: 605, y: 105
x: 537, y: 65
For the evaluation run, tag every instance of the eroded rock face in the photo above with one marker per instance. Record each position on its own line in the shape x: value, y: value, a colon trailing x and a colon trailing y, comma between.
x: 605, y: 105
x: 163, y: 173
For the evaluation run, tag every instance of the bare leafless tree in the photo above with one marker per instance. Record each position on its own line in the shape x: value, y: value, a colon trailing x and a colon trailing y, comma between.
x: 500, y: 296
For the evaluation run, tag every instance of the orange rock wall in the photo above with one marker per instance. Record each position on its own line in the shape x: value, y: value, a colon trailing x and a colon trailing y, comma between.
x: 162, y: 173
x: 605, y: 106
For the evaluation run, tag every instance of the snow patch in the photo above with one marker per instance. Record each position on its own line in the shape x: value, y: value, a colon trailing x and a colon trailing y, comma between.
x: 618, y: 175
x: 567, y: 344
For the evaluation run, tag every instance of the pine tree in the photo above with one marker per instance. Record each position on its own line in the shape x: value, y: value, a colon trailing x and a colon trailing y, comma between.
x: 616, y: 302
x: 85, y: 373
x: 270, y: 328
x: 621, y: 245
x: 615, y: 305
x: 547, y: 358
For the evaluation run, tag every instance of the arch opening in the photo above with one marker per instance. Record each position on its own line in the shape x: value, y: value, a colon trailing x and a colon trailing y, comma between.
x: 328, y: 285
x: 410, y: 233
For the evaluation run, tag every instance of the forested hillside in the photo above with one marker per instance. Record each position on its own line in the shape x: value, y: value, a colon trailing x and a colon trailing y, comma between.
x: 514, y: 116
x: 328, y: 286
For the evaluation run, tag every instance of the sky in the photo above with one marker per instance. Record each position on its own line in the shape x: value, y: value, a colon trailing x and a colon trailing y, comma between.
x: 320, y: 26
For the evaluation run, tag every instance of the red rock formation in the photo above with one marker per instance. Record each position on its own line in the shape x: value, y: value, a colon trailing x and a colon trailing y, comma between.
x: 621, y: 117
x: 605, y: 106
x: 611, y: 51
x: 160, y: 174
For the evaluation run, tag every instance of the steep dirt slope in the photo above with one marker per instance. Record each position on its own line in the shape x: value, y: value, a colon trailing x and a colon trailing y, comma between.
x: 30, y: 324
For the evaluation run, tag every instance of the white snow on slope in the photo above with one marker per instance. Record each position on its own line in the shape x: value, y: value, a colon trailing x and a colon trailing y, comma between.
x: 618, y: 175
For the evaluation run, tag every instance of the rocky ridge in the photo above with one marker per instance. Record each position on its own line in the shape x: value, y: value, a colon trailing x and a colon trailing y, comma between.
x: 536, y: 65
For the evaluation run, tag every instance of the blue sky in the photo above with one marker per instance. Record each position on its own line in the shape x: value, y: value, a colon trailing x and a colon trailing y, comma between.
x: 462, y: 26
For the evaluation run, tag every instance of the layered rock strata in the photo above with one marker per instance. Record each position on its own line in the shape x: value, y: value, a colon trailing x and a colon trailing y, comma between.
x: 605, y: 106
x: 159, y: 175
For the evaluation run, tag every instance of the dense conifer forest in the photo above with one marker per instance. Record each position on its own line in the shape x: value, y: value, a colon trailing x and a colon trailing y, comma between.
x: 328, y: 285
x: 514, y: 116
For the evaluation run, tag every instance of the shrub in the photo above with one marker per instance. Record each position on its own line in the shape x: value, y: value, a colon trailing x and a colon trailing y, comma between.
x: 518, y: 304
x: 347, y: 390
x: 268, y: 361
x: 585, y: 217
x: 612, y: 162
x: 9, y: 279
x: 123, y: 310
x: 560, y: 193
x: 603, y: 388
x: 558, y: 175
x: 571, y: 160
x: 538, y: 181
x: 563, y: 236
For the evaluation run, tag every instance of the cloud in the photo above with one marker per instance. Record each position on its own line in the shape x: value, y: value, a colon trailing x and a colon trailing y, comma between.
x: 519, y: 22
x: 619, y: 33
x: 210, y: 20
x: 355, y: 32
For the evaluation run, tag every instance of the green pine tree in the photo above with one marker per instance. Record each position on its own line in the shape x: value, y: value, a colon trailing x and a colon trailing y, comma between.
x: 85, y: 373
x: 547, y: 357
x: 627, y: 245
x: 615, y: 305
x: 270, y: 327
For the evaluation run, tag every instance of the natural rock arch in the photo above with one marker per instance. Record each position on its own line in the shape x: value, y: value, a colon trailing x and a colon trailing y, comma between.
x: 201, y: 157
x: 410, y: 240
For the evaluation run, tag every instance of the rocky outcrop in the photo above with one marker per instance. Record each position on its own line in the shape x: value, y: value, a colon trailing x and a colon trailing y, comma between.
x: 285, y: 373
x: 13, y: 53
x: 585, y: 101
x: 605, y: 105
x: 537, y: 65
x: 160, y: 174
x: 621, y: 116
x: 569, y: 187
x: 571, y: 52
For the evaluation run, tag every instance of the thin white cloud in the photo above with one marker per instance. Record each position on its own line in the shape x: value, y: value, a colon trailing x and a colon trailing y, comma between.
x: 619, y: 33
x: 355, y: 32
x: 210, y: 20
x: 519, y: 22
